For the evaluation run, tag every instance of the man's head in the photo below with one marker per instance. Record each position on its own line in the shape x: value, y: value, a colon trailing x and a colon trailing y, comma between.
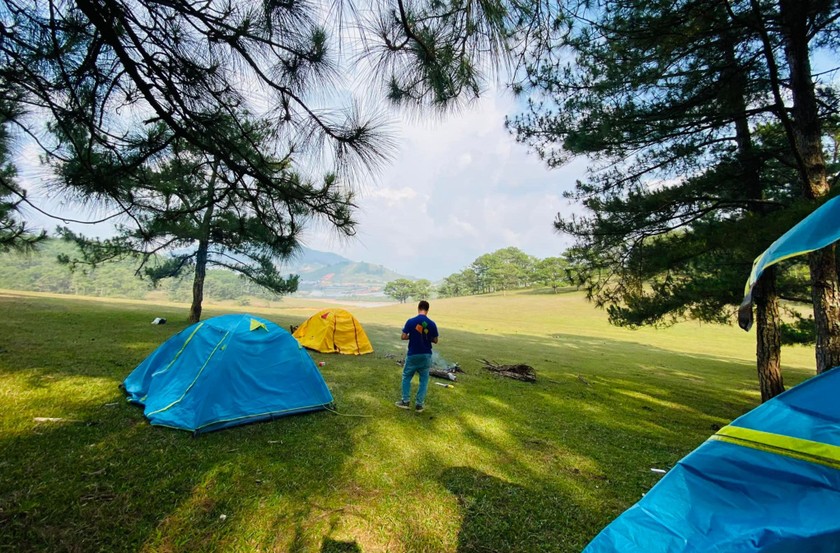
x: 423, y: 306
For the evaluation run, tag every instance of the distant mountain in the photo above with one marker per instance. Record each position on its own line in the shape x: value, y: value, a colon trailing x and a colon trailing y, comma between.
x: 308, y: 260
x: 352, y: 271
x: 325, y: 274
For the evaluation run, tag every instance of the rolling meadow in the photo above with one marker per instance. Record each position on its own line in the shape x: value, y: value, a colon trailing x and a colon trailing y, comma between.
x: 492, y: 465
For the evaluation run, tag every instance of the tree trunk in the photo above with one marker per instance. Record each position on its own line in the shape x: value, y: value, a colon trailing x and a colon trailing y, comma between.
x: 837, y: 260
x: 198, y: 281
x: 826, y: 299
x: 203, y: 248
x: 808, y: 143
x: 768, y: 335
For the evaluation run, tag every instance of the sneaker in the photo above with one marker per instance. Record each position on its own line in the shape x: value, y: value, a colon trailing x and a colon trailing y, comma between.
x: 418, y: 408
x: 403, y: 405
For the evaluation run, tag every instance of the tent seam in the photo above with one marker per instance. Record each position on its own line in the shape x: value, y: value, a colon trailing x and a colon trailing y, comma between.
x: 186, y: 391
x: 180, y: 351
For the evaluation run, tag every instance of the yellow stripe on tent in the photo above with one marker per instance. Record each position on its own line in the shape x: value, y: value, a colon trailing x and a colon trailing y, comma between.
x: 798, y: 448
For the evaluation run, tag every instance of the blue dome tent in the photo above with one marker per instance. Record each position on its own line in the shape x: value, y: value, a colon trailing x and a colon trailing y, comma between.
x: 769, y: 482
x: 226, y: 371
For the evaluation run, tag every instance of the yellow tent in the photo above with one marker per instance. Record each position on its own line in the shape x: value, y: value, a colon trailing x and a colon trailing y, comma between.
x: 333, y: 331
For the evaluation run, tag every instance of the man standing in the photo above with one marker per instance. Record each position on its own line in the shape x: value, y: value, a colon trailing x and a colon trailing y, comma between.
x: 421, y: 332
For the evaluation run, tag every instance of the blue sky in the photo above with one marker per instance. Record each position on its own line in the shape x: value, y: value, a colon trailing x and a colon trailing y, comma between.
x: 459, y: 187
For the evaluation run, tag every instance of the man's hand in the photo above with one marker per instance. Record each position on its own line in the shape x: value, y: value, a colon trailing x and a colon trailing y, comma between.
x: 404, y: 336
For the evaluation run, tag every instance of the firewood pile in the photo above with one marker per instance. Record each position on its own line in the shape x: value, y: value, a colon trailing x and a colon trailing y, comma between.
x: 525, y: 373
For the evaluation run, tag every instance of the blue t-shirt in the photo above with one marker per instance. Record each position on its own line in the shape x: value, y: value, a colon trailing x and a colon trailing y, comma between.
x: 420, y: 330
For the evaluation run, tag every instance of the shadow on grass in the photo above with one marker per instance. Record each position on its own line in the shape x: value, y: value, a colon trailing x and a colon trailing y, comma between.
x: 335, y: 546
x: 120, y: 484
x: 562, y: 290
x: 575, y: 449
x: 112, y: 482
x: 545, y: 465
x: 501, y: 516
x: 97, y: 477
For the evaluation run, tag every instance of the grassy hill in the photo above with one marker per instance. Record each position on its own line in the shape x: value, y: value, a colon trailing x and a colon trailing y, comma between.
x: 492, y: 465
x: 324, y: 274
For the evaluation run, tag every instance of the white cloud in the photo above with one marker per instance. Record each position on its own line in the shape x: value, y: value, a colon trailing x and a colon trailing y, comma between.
x: 475, y: 191
x: 459, y: 187
x: 391, y: 196
x: 461, y: 228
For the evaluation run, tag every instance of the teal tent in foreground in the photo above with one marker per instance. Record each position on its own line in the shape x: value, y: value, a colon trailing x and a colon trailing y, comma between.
x: 768, y: 482
x: 226, y: 371
x: 816, y: 231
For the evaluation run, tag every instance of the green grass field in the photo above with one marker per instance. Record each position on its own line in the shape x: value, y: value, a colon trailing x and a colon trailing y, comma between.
x: 492, y: 465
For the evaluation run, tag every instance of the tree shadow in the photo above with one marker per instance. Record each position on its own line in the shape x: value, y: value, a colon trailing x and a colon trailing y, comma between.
x: 502, y: 516
x: 562, y: 290
x: 94, y: 475
x: 547, y: 464
x: 334, y: 546
x: 113, y: 481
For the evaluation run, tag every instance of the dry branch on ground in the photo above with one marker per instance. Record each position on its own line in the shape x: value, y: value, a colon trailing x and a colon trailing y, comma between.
x: 525, y: 373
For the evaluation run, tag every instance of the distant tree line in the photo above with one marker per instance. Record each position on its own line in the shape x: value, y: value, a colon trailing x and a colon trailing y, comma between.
x: 40, y: 271
x: 505, y: 269
x: 402, y: 289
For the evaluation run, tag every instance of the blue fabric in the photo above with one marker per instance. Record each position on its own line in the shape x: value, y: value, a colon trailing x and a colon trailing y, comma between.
x: 225, y: 371
x: 811, y: 413
x: 816, y: 231
x: 420, y: 329
x: 419, y: 364
x: 732, y: 498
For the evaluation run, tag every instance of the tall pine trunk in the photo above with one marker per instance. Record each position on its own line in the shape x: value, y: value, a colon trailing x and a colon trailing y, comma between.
x: 826, y: 298
x: 807, y: 133
x: 201, y: 253
x: 768, y: 332
x: 768, y: 345
x: 198, y: 280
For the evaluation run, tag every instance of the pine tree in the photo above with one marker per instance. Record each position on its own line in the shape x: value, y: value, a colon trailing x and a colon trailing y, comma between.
x: 196, y: 208
x: 14, y: 235
x: 669, y: 99
x: 112, y: 88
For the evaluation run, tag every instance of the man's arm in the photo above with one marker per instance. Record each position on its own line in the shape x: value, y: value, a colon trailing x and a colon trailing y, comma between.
x: 404, y: 336
x: 434, y: 340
